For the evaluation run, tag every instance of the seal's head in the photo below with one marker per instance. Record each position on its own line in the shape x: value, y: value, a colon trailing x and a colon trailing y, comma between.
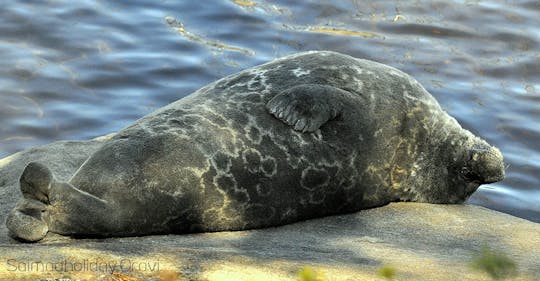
x: 480, y: 164
x: 455, y: 173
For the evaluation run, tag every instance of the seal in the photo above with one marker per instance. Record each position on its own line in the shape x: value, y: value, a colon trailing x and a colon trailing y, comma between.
x: 308, y: 135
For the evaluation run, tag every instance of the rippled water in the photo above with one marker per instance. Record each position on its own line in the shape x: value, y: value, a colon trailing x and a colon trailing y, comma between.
x: 81, y: 69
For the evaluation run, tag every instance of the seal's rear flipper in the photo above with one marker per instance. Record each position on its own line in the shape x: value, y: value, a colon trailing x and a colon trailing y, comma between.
x: 25, y: 222
x: 51, y: 205
x: 36, y: 181
x: 307, y: 107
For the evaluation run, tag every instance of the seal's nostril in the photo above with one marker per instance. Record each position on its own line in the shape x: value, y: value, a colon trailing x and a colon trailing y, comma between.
x: 496, y: 177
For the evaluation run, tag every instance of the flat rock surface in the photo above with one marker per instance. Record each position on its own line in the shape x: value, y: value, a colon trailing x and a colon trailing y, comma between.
x: 420, y: 241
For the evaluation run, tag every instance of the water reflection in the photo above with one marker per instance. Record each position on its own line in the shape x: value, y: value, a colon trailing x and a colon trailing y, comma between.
x: 179, y: 27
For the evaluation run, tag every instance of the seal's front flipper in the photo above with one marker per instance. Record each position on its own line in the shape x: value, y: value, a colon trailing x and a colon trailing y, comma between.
x: 51, y: 205
x: 307, y: 107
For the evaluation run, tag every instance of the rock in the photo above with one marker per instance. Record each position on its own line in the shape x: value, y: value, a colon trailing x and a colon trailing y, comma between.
x: 420, y: 241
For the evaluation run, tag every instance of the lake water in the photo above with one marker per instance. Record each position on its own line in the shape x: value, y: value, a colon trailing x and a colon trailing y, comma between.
x: 81, y: 69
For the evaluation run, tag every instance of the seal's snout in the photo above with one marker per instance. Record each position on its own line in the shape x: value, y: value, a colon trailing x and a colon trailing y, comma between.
x: 486, y: 165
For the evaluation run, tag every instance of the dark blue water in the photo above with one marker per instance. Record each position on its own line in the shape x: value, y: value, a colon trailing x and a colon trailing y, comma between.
x: 81, y: 69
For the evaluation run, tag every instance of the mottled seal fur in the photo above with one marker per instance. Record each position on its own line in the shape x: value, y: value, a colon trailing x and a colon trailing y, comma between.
x: 309, y: 135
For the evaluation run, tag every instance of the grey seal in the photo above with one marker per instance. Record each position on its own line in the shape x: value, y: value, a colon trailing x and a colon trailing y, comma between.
x: 308, y: 135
